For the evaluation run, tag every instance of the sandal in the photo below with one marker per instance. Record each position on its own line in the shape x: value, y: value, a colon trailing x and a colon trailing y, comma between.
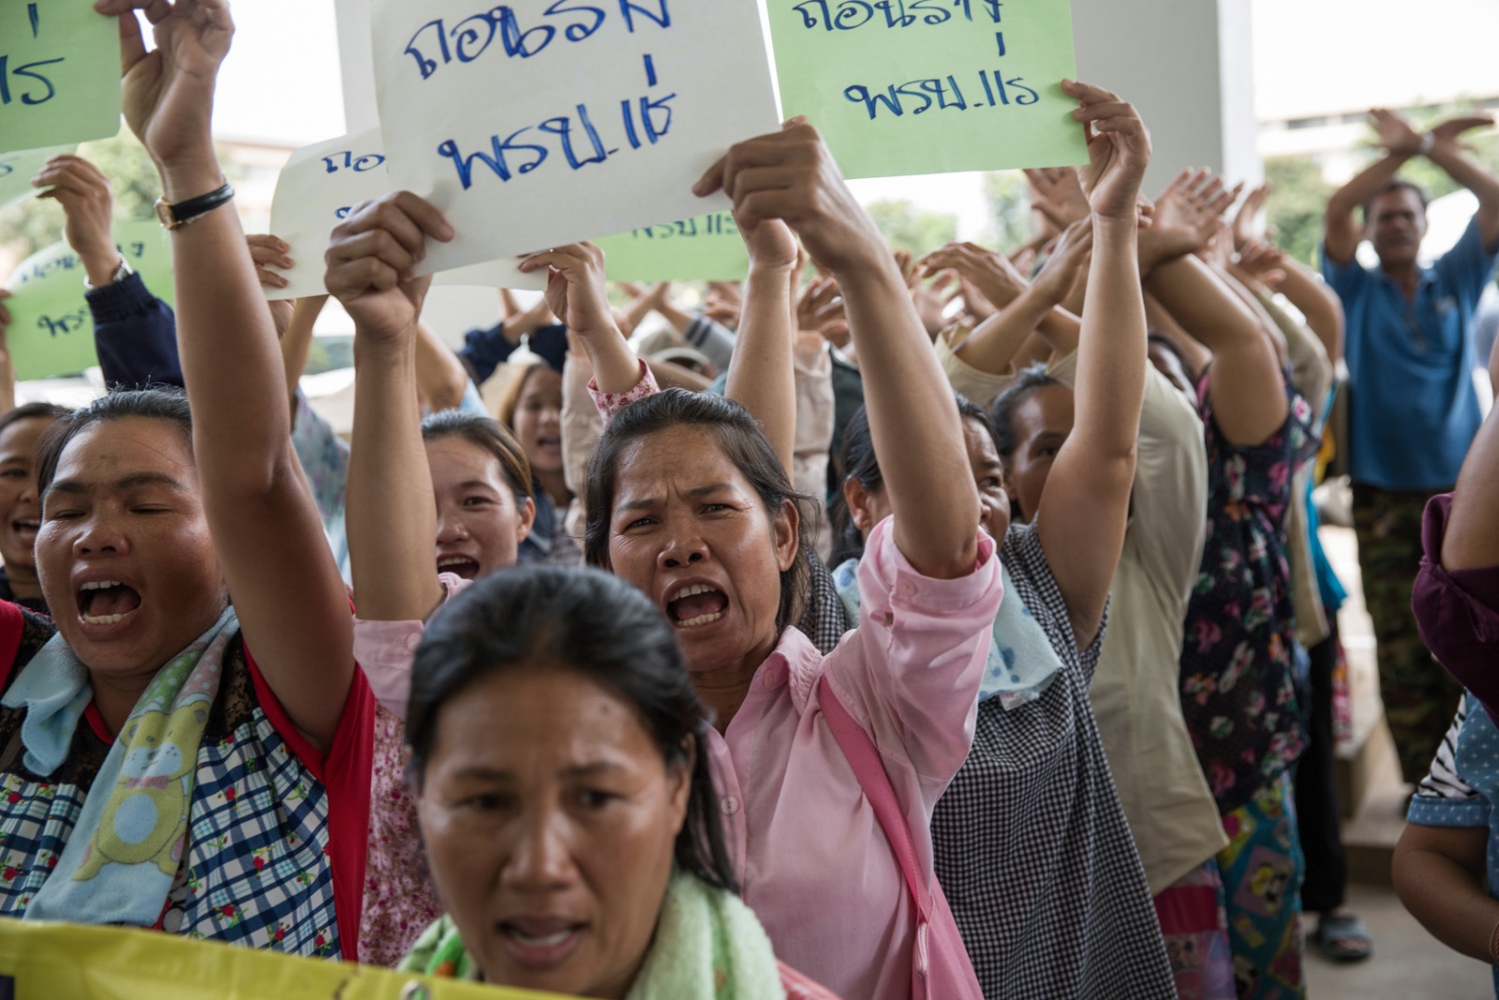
x: 1343, y: 938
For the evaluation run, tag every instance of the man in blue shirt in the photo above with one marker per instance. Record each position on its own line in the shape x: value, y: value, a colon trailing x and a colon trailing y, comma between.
x: 1413, y: 407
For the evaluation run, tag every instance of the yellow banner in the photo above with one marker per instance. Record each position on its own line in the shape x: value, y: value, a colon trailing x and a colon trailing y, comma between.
x: 47, y: 961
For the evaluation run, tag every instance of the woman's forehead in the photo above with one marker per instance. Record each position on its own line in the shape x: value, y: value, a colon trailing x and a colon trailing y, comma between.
x: 138, y: 443
x: 683, y: 456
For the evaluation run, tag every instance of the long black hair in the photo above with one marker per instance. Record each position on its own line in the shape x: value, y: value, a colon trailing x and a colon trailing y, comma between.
x: 584, y: 620
x: 1002, y: 413
x: 742, y: 441
x: 861, y: 463
x: 167, y: 404
x: 489, y: 435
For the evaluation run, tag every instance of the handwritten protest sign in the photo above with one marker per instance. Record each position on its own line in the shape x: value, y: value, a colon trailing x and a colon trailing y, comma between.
x: 51, y: 331
x: 538, y: 123
x: 318, y: 188
x: 703, y: 248
x: 903, y: 87
x: 17, y: 169
x: 59, y: 73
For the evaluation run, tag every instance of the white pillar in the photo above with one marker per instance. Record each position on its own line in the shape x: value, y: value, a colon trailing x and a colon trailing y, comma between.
x: 1187, y: 65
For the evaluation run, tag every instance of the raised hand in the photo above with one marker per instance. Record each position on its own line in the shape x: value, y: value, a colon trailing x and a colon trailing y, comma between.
x: 576, y: 290
x: 1118, y: 151
x: 932, y: 297
x: 371, y: 256
x: 1245, y: 225
x: 820, y: 309
x: 1265, y: 262
x: 1186, y: 216
x: 1449, y: 130
x: 1068, y: 260
x: 771, y: 244
x: 267, y: 252
x: 791, y: 176
x: 87, y: 200
x: 168, y: 92
x: 1395, y: 135
x: 992, y: 274
x: 1057, y: 194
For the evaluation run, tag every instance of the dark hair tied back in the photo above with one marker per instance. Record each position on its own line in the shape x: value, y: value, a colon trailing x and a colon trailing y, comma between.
x: 587, y: 621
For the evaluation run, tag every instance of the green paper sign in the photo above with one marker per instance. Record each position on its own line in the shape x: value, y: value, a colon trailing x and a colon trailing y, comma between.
x: 17, y: 169
x: 703, y: 248
x: 900, y: 87
x: 59, y: 73
x: 51, y: 331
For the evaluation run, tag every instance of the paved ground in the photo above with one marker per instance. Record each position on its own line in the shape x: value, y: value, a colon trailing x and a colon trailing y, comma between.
x: 1407, y: 961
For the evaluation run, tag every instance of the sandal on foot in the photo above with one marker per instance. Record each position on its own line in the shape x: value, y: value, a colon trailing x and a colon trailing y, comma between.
x: 1344, y: 938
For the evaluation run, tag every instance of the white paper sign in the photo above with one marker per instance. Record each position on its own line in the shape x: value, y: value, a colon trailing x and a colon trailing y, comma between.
x: 544, y: 122
x: 317, y: 188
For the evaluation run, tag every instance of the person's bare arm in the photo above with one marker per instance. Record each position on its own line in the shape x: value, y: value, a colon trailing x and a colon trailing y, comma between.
x: 7, y: 367
x: 1400, y: 143
x: 762, y: 372
x: 1084, y: 507
x: 578, y: 296
x: 1472, y: 538
x: 1439, y: 875
x: 292, y: 605
x: 913, y: 417
x: 1447, y: 152
x: 440, y: 376
x: 1245, y: 382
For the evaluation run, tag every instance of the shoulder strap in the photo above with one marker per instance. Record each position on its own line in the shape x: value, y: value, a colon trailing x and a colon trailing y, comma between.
x: 873, y: 779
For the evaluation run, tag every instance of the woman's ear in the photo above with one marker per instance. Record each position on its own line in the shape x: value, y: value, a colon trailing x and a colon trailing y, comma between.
x: 679, y: 782
x: 858, y: 500
x: 787, y: 524
x: 527, y: 520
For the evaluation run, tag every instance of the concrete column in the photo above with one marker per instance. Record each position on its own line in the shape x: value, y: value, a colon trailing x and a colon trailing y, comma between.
x: 1188, y: 66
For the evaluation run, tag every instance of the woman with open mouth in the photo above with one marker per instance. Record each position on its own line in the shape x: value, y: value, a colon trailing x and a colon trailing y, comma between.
x: 531, y: 408
x: 159, y: 773
x: 566, y: 803
x: 690, y: 499
x: 20, y: 510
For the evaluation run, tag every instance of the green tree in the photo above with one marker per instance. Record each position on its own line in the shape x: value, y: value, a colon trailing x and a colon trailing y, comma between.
x: 38, y: 222
x: 1009, y: 201
x: 1298, y: 197
x: 908, y: 228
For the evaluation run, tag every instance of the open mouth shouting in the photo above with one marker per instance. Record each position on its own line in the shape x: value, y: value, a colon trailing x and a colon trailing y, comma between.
x: 461, y: 565
x: 540, y: 943
x: 25, y: 529
x: 695, y: 605
x: 106, y: 602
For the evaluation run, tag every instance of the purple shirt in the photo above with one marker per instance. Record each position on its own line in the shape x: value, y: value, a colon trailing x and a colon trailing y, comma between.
x: 1458, y: 612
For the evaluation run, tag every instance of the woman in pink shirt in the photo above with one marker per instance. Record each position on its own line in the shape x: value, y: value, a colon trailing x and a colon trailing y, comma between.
x: 690, y: 500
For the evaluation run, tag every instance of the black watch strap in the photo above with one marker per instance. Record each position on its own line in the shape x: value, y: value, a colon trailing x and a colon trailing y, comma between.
x: 180, y: 214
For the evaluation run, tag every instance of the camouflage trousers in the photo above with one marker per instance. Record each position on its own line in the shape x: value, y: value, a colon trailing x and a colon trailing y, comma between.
x: 1419, y: 696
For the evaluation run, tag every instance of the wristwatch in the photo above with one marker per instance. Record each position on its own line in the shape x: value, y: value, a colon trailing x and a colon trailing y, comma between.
x: 120, y: 274
x: 175, y: 216
x: 1428, y: 140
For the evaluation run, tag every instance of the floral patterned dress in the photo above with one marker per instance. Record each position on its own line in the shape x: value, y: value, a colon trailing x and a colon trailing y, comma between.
x: 1236, y: 664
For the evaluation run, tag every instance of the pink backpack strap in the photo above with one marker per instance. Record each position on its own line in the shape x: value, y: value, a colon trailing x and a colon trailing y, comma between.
x: 864, y: 758
x: 940, y: 968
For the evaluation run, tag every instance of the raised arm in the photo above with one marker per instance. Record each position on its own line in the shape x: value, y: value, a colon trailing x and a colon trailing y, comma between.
x: 1084, y: 507
x: 7, y: 367
x: 291, y: 602
x: 1447, y: 152
x: 790, y: 175
x: 762, y: 372
x: 1244, y: 380
x: 579, y: 298
x: 440, y: 376
x: 1302, y: 287
x: 1400, y: 143
x: 392, y: 515
x: 1472, y: 538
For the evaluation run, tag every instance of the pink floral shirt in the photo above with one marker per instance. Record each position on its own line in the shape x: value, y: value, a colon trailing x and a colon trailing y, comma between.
x: 398, y: 900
